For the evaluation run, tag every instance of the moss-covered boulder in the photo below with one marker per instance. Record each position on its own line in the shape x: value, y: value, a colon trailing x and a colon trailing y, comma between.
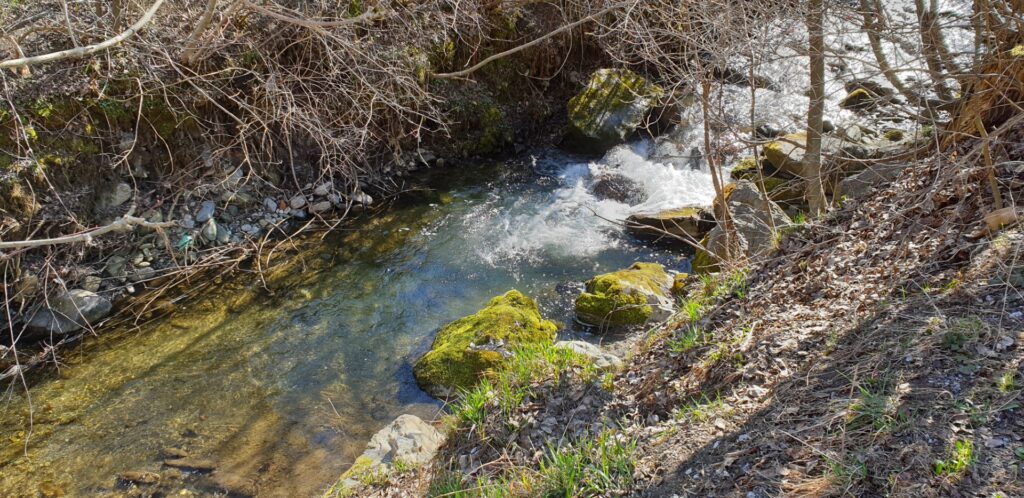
x: 635, y: 296
x: 787, y: 153
x: 467, y: 347
x: 610, y: 109
x: 672, y: 224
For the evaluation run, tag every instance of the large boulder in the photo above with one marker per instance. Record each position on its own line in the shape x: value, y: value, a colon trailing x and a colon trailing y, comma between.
x: 69, y: 312
x: 635, y: 296
x: 686, y: 223
x: 408, y: 441
x: 755, y: 218
x: 466, y: 348
x: 611, y: 108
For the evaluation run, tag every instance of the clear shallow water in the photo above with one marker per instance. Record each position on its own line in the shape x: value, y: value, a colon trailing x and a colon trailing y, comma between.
x: 281, y: 391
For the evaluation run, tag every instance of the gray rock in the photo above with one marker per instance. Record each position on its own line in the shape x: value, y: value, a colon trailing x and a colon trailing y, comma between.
x: 142, y: 274
x: 223, y: 234
x: 602, y: 360
x: 360, y: 197
x: 320, y: 207
x: 92, y: 283
x: 297, y: 202
x: 115, y: 266
x: 753, y: 215
x: 408, y: 439
x: 862, y: 183
x: 70, y: 312
x: 206, y: 211
x: 209, y: 231
x: 121, y: 194
x: 187, y: 222
x: 270, y: 205
x: 323, y: 189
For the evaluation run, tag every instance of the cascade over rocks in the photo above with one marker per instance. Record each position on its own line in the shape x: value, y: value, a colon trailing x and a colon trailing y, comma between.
x: 611, y: 108
x: 467, y: 347
x: 634, y: 296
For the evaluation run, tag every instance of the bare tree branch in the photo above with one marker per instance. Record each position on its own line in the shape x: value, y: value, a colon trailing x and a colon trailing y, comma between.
x: 88, y: 49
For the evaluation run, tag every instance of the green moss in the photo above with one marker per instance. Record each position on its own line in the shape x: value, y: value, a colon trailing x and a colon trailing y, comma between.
x: 703, y: 262
x: 857, y: 99
x: 894, y: 135
x: 745, y: 170
x: 613, y: 299
x: 679, y: 284
x: 460, y: 354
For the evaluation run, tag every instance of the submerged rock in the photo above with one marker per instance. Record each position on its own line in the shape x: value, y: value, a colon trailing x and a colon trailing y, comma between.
x: 602, y: 360
x: 408, y: 440
x: 619, y: 188
x: 70, y: 312
x: 628, y: 297
x: 612, y: 106
x: 687, y: 223
x: 471, y: 345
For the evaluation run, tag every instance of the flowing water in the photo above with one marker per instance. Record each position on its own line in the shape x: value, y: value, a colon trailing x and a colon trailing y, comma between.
x: 281, y: 392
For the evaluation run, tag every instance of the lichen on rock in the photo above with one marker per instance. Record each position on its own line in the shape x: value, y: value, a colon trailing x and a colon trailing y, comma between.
x: 468, y: 347
x: 633, y: 296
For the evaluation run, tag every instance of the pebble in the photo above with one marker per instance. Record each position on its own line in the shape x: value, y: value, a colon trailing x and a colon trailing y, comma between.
x: 320, y: 207
x: 187, y: 222
x: 323, y: 189
x: 206, y: 211
x: 140, y: 477
x: 297, y: 202
x: 187, y: 463
x: 270, y: 205
x: 92, y: 283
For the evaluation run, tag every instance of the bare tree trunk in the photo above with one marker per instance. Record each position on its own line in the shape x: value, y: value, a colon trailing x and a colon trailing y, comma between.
x: 932, y: 55
x: 815, y: 112
x: 192, y: 45
x: 872, y: 13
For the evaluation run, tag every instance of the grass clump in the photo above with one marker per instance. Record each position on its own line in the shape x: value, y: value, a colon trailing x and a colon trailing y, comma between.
x: 503, y: 390
x: 702, y: 409
x: 960, y: 458
x: 875, y: 407
x: 601, y: 466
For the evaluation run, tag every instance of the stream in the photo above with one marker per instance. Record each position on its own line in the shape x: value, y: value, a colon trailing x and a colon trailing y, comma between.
x: 281, y: 392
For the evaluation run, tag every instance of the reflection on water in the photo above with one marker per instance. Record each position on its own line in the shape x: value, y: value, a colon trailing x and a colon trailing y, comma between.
x: 280, y: 391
